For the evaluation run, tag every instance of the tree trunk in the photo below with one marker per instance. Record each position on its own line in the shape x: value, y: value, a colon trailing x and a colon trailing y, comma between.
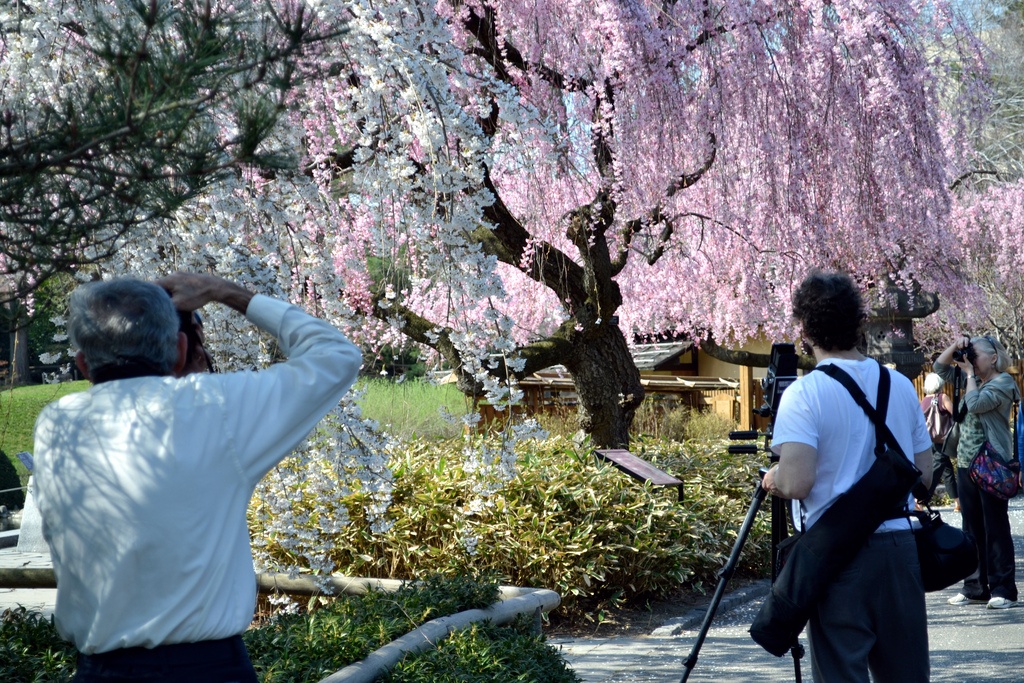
x: 607, y: 383
x: 20, y: 375
x: 14, y: 321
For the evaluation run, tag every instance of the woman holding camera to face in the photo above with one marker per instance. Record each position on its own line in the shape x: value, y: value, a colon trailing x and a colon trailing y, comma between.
x: 988, y: 393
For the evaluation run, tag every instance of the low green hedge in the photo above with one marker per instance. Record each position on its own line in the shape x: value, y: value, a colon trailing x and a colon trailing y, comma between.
x: 565, y: 522
x: 340, y: 631
x: 486, y: 654
x: 31, y: 651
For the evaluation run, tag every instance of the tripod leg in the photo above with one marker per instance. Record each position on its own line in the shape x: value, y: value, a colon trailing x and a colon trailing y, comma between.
x: 780, y: 530
x: 797, y: 651
x: 723, y: 578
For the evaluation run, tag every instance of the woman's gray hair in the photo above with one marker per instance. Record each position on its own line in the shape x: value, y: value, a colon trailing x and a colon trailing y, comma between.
x: 991, y: 345
x: 932, y: 383
x: 113, y: 322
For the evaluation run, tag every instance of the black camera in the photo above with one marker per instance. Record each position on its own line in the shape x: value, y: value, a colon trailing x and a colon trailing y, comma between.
x: 781, y: 373
x: 191, y: 324
x: 967, y: 352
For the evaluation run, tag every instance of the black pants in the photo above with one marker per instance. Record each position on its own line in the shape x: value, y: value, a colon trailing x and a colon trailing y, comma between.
x: 209, y: 661
x: 944, y: 471
x: 987, y: 518
x: 872, y: 617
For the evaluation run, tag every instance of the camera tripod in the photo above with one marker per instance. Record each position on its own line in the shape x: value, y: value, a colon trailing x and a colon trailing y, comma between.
x: 779, y: 534
x: 781, y: 373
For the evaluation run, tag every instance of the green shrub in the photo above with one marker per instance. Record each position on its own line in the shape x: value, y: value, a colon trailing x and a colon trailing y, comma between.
x: 311, y: 646
x: 565, y: 522
x: 484, y: 653
x: 31, y: 651
x: 707, y: 425
x: 662, y: 420
x: 339, y: 632
x: 11, y: 493
x: 655, y: 419
x: 560, y: 421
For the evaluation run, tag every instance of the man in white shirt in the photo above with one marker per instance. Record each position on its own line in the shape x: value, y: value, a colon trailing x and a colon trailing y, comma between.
x: 143, y: 481
x: 872, y: 617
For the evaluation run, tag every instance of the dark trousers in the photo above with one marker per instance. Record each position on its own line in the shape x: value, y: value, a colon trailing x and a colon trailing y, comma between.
x: 209, y: 661
x: 872, y: 617
x: 944, y: 471
x: 987, y: 519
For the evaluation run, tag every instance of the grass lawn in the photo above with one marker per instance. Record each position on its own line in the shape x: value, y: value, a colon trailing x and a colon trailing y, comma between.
x: 18, y: 410
x: 412, y: 408
x: 404, y: 409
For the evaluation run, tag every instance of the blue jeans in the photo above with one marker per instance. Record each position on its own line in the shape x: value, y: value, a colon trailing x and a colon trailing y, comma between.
x: 209, y: 661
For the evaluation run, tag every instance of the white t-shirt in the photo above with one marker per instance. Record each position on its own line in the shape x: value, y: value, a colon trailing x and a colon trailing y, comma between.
x: 818, y: 411
x: 143, y: 486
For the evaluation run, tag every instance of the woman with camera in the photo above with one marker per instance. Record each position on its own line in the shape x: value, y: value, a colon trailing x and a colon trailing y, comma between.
x: 988, y: 392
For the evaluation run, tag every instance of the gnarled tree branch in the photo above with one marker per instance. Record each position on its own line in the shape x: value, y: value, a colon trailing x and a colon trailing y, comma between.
x: 749, y: 358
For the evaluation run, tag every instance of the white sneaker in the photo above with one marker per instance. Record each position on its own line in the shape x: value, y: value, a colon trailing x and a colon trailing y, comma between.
x: 1001, y: 603
x: 961, y: 599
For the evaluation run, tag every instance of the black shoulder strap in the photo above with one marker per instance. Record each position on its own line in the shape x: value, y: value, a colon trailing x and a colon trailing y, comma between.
x: 959, y: 411
x: 1016, y: 417
x: 883, y: 435
x: 881, y: 401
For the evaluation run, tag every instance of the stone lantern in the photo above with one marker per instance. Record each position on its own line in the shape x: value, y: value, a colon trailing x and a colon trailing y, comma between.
x: 889, y: 329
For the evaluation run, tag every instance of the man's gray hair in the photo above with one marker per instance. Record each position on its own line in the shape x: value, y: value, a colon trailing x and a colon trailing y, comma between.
x: 113, y: 322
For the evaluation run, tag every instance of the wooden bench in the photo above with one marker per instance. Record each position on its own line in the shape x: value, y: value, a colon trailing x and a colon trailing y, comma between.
x: 638, y: 468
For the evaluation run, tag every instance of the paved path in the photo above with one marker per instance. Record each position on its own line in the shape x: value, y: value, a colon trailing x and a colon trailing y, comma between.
x: 37, y: 599
x: 967, y: 644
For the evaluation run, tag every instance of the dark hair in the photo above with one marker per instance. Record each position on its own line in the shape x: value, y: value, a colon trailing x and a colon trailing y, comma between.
x: 113, y: 322
x: 830, y: 309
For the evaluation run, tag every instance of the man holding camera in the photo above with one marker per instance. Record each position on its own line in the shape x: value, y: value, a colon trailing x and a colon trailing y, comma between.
x: 143, y: 481
x: 872, y: 616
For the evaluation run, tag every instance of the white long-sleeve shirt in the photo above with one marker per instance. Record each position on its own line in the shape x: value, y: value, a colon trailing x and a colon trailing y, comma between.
x: 143, y: 485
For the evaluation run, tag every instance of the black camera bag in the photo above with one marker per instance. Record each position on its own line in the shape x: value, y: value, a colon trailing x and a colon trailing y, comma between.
x: 947, y: 554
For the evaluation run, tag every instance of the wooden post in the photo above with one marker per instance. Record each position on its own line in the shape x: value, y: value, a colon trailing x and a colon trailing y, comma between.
x: 746, y: 397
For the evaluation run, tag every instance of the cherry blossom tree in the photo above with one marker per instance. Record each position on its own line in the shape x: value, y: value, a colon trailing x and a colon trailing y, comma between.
x: 987, y: 214
x: 519, y: 184
x: 542, y: 183
x: 987, y: 221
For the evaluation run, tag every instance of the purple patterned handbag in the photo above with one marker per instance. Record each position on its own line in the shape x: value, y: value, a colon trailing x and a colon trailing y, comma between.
x: 993, y: 475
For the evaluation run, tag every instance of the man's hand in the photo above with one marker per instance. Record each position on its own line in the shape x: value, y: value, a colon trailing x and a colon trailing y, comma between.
x: 190, y: 291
